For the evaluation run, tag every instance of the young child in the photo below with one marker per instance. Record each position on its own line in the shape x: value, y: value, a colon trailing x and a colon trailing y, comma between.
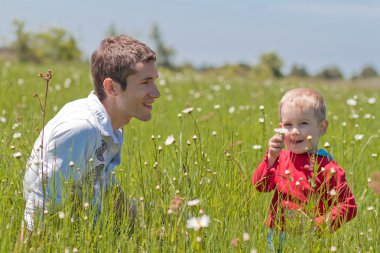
x: 310, y: 189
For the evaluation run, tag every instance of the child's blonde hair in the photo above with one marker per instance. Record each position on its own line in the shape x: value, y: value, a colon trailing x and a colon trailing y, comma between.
x: 304, y: 99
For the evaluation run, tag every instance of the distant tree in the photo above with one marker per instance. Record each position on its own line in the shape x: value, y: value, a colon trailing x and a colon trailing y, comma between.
x: 269, y: 66
x: 298, y: 71
x: 164, y: 53
x: 54, y: 45
x: 330, y: 73
x: 368, y: 72
x: 21, y: 44
x: 112, y: 30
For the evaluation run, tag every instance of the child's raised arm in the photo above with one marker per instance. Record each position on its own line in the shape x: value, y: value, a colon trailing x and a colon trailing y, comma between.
x: 275, y: 145
x: 262, y: 178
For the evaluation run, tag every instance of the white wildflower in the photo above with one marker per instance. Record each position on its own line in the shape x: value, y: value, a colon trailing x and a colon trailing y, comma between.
x: 333, y: 192
x: 216, y: 107
x: 261, y: 120
x: 358, y: 137
x: 351, y: 102
x: 198, y: 222
x: 333, y: 249
x: 61, y: 215
x: 67, y: 83
x: 256, y: 147
x: 245, y: 236
x: 215, y: 87
x: 20, y: 81
x: 3, y: 119
x: 17, y: 155
x: 193, y: 202
x: 370, y: 208
x: 16, y: 135
x: 371, y: 100
x: 170, y: 140
x: 188, y: 110
x: 231, y: 109
x: 261, y: 107
x: 281, y: 130
x: 162, y: 82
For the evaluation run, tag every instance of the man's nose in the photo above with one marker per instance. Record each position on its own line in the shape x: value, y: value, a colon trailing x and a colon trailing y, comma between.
x: 154, y: 93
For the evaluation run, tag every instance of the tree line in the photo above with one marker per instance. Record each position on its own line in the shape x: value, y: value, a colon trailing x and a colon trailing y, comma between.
x: 58, y: 45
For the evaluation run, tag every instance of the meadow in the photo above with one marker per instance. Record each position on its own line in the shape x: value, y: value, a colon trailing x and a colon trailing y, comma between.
x: 186, y: 164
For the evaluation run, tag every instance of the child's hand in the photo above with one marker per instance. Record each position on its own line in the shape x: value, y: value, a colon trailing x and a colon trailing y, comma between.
x: 276, y: 144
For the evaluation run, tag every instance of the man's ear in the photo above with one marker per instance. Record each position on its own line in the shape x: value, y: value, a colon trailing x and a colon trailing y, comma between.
x: 109, y: 86
x: 324, y: 126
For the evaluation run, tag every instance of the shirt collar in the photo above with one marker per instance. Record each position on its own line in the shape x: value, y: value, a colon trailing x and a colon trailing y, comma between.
x: 103, y: 119
x: 322, y: 152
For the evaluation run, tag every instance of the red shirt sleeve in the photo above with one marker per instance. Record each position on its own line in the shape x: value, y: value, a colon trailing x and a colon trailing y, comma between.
x: 343, y: 203
x: 263, y: 179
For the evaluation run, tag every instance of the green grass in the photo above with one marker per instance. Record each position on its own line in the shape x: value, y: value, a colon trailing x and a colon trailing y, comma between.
x: 215, y: 168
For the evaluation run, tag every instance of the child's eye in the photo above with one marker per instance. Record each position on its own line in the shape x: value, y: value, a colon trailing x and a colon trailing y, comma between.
x: 304, y: 123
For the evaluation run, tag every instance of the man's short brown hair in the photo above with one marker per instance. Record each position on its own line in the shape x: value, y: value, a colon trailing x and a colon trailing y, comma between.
x: 116, y: 58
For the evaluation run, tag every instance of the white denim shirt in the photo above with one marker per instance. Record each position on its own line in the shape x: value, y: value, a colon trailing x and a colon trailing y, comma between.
x: 79, y: 146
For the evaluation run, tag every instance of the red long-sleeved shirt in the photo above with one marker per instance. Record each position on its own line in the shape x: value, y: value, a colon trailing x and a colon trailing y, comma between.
x: 319, y: 192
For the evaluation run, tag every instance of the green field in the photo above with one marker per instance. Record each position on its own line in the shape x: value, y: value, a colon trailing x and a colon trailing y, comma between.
x: 217, y: 147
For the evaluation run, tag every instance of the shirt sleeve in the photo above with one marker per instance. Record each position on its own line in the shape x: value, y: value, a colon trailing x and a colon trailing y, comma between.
x: 68, y: 151
x: 343, y: 205
x: 262, y: 178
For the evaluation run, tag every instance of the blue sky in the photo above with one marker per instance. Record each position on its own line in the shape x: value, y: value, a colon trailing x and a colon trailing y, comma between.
x: 315, y: 34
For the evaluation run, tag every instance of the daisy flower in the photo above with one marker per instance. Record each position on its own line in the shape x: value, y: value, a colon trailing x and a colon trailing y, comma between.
x: 198, y: 222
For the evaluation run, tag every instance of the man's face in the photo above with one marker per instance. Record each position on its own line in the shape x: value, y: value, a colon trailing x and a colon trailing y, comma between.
x: 136, y: 101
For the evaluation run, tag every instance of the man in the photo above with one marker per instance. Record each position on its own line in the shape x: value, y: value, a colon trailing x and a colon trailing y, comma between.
x: 80, y: 146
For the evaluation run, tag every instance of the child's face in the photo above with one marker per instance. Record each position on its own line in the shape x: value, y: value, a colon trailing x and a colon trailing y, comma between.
x: 301, y: 125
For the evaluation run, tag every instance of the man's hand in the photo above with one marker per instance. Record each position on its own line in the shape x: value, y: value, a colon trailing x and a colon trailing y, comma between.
x: 276, y: 144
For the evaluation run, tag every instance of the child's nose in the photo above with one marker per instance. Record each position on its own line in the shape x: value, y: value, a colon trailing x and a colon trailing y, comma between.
x: 294, y: 131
